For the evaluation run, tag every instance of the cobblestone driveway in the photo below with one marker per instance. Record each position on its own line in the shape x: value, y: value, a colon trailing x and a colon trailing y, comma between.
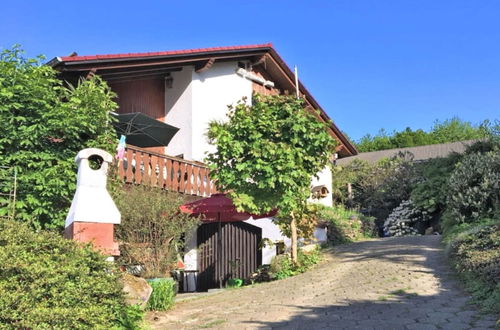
x: 394, y: 283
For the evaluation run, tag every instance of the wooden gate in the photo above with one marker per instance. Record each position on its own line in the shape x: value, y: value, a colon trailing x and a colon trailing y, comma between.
x: 239, y: 255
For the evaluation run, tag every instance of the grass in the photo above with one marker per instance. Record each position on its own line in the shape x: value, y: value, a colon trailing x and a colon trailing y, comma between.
x: 212, y: 323
x: 403, y: 292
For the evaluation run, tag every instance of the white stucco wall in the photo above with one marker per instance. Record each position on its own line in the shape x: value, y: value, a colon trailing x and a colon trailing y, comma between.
x: 212, y: 91
x: 178, y: 112
x: 324, y: 178
x: 272, y: 232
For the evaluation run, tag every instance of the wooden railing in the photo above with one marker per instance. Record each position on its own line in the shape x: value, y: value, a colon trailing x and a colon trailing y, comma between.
x: 170, y: 173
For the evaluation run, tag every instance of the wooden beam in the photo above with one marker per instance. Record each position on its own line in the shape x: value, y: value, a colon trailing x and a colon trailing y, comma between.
x: 204, y: 66
x: 138, y: 72
x: 259, y: 60
x: 82, y: 66
x: 135, y: 76
x: 91, y: 73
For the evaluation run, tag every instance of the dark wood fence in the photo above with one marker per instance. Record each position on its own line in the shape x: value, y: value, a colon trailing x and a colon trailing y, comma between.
x: 170, y: 173
x: 239, y: 252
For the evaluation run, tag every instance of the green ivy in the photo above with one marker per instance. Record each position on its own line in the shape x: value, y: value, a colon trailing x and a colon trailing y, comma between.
x: 44, y: 123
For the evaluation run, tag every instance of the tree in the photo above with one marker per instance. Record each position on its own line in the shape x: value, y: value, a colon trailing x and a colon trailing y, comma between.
x: 267, y: 154
x: 44, y: 123
x: 450, y: 130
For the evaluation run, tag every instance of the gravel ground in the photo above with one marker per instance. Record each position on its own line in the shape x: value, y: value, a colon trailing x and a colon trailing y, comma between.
x: 389, y: 283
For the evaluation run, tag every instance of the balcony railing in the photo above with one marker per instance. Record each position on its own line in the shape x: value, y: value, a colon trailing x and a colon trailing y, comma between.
x: 170, y: 173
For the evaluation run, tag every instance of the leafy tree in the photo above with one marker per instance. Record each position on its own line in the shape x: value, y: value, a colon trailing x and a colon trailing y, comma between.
x: 44, y: 123
x: 457, y: 130
x: 450, y: 130
x: 267, y: 154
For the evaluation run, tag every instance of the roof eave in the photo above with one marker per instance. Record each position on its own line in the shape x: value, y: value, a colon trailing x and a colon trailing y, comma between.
x: 162, y: 57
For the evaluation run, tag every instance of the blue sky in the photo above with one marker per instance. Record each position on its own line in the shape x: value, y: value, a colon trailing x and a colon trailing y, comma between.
x: 370, y: 64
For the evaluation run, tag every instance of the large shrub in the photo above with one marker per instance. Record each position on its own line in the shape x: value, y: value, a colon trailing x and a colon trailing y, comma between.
x: 47, y: 281
x: 44, y: 123
x: 473, y: 189
x: 429, y: 194
x: 476, y: 256
x: 153, y: 231
x: 379, y: 186
x: 346, y: 225
x: 406, y: 220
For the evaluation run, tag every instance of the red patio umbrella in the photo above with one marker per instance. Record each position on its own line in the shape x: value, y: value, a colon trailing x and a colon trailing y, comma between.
x: 220, y: 208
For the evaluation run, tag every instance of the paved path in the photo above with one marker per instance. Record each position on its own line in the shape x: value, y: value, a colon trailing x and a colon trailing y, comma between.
x: 392, y: 283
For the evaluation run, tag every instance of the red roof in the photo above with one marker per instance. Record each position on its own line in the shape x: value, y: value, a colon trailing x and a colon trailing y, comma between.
x: 164, y: 53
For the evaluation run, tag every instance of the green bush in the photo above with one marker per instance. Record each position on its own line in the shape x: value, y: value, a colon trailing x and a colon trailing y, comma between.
x: 152, y: 228
x: 162, y: 297
x: 475, y: 253
x: 429, y: 194
x: 473, y: 189
x: 376, y: 188
x: 282, y: 266
x: 47, y: 281
x: 346, y: 225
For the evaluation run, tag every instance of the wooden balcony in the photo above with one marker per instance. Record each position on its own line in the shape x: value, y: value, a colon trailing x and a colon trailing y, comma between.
x: 170, y: 173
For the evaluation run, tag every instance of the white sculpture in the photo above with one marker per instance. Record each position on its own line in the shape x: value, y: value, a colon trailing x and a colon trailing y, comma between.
x: 92, y: 202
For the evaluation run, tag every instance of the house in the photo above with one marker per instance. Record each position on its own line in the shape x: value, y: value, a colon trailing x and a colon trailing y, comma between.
x: 188, y: 89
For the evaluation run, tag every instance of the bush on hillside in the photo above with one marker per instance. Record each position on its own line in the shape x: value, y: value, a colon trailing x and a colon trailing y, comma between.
x: 476, y: 256
x: 376, y: 188
x: 406, y: 220
x: 282, y: 266
x: 346, y: 225
x: 429, y: 194
x: 47, y: 281
x: 473, y: 189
